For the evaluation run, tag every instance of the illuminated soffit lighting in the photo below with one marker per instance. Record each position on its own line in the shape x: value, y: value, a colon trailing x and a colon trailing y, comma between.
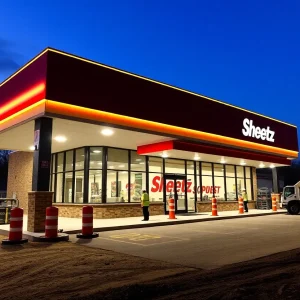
x: 107, y: 132
x: 32, y: 148
x: 60, y: 138
x: 165, y: 155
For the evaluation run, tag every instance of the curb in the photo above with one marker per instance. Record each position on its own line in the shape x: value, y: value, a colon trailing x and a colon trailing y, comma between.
x: 34, y: 238
x: 133, y: 226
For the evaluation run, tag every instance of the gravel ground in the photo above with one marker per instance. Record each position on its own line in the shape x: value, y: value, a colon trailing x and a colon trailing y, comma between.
x: 69, y: 271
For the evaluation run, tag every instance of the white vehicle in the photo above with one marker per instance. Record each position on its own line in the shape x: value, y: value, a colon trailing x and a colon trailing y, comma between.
x: 290, y: 198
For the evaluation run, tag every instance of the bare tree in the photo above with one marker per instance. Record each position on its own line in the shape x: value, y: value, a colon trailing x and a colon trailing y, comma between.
x: 4, y: 156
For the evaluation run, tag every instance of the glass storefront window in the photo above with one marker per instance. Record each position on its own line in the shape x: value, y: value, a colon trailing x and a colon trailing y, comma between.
x: 111, y: 186
x: 59, y: 188
x: 69, y: 161
x: 138, y: 162
x: 249, y: 189
x: 248, y: 172
x: 230, y: 171
x: 219, y: 189
x: 175, y: 166
x: 197, y: 168
x: 68, y: 187
x: 53, y: 163
x: 231, y: 189
x: 122, y: 186
x: 207, y: 188
x: 95, y: 186
x: 240, y: 185
x: 137, y: 185
x: 79, y: 183
x: 60, y: 162
x: 155, y: 164
x: 190, y: 167
x: 155, y: 187
x: 117, y: 186
x: 191, y: 192
x: 117, y: 159
x: 52, y: 182
x: 206, y: 169
x: 79, y: 161
x: 95, y: 157
x: 240, y: 171
x: 218, y: 170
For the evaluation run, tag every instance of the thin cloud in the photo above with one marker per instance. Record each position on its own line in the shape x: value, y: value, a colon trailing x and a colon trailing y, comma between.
x: 8, y: 58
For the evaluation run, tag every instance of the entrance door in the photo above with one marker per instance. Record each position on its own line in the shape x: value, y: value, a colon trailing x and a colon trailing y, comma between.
x: 174, y: 185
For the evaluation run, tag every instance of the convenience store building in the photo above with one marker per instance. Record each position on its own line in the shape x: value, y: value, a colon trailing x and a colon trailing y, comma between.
x: 86, y: 133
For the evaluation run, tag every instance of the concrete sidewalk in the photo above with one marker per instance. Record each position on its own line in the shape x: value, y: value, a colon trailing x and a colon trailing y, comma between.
x: 73, y: 225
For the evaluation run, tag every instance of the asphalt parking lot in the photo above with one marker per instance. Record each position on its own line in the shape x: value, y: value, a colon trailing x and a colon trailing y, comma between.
x: 206, y: 245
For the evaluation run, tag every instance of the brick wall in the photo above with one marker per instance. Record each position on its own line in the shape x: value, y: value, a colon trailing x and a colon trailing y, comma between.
x: 254, y: 183
x: 19, y: 179
x: 222, y: 206
x: 107, y: 211
x: 37, y: 204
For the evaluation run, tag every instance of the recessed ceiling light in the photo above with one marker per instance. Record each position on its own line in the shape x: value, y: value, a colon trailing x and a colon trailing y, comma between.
x: 142, y: 163
x: 60, y: 138
x: 261, y: 165
x: 243, y: 163
x: 272, y: 166
x: 99, y: 163
x: 107, y: 132
x: 111, y: 167
x: 92, y: 162
x: 121, y: 166
x: 165, y: 155
x: 32, y: 148
x: 97, y: 151
x: 223, y: 161
x: 138, y: 159
x: 123, y: 172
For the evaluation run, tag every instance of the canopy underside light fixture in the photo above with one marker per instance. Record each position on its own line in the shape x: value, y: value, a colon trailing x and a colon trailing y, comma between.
x: 165, y: 155
x: 60, y: 138
x: 107, y: 132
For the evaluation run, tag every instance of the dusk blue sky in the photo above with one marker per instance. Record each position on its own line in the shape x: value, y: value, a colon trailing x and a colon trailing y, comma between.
x: 246, y: 53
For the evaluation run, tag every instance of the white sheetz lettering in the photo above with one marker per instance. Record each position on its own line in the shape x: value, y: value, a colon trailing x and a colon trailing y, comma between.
x: 257, y: 132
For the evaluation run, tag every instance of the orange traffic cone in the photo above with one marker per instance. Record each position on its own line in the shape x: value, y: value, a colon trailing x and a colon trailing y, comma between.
x: 172, y: 209
x: 214, y: 209
x: 274, y: 204
x: 241, y: 206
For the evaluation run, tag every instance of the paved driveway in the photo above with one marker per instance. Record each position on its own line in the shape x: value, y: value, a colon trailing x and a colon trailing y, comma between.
x: 206, y: 245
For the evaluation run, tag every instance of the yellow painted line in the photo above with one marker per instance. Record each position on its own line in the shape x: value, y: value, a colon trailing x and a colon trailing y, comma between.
x: 126, y: 242
x: 136, y: 236
x: 158, y: 243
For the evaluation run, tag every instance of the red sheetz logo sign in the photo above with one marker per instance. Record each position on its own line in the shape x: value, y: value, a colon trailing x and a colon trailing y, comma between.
x: 157, y: 186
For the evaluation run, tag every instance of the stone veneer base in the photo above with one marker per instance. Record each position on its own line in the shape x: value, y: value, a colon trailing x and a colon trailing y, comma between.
x: 124, y: 210
x: 37, y: 204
